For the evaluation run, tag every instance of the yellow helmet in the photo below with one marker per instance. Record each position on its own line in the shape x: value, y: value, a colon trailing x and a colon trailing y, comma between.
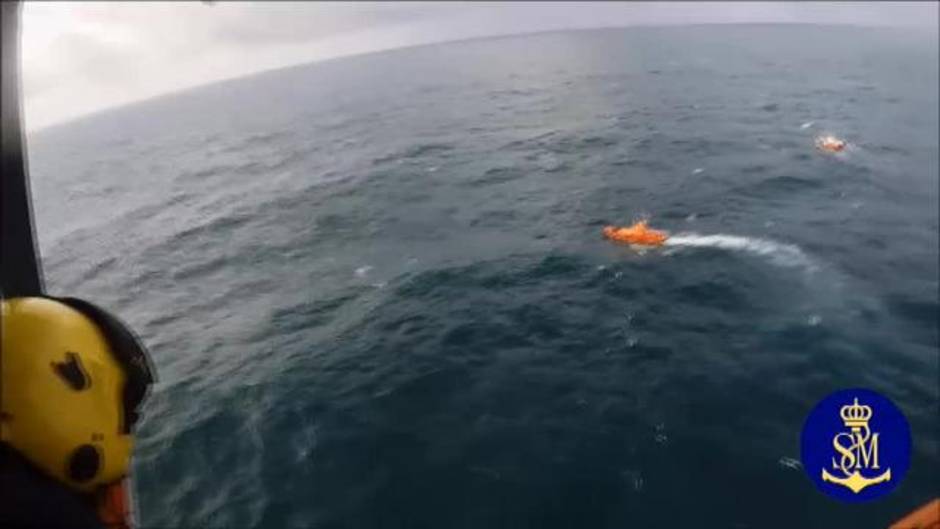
x: 71, y: 379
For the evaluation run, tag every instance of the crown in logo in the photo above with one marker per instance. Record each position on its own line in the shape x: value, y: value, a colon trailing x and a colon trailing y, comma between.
x: 855, y: 416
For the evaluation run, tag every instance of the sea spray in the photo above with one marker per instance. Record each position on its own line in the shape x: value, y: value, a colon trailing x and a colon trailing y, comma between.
x: 778, y: 253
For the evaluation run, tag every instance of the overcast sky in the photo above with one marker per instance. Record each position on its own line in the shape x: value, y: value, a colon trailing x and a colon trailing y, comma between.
x: 85, y: 56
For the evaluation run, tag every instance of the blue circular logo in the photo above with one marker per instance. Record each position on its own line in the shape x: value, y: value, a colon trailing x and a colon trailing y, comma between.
x: 856, y: 445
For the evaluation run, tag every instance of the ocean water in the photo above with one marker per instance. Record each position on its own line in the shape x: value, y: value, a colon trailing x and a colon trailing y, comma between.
x: 377, y: 295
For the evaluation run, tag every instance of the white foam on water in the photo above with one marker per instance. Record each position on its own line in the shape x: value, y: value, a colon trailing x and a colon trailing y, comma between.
x: 807, y: 125
x: 778, y: 253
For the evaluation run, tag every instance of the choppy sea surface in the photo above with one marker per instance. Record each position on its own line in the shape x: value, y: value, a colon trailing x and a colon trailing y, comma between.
x: 377, y: 295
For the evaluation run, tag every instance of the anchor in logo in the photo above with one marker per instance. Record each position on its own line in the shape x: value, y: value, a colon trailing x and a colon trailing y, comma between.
x: 859, y: 450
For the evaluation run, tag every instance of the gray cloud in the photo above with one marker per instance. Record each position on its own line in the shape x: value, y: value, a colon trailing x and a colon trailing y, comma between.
x: 249, y: 24
x: 89, y: 58
x: 86, y: 56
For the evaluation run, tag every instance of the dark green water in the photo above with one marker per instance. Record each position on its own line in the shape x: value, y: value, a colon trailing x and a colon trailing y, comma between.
x: 377, y: 295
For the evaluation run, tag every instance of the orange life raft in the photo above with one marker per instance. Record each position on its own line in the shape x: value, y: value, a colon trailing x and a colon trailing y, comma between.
x: 639, y: 233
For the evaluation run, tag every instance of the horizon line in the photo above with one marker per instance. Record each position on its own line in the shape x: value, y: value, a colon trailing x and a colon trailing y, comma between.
x: 54, y: 125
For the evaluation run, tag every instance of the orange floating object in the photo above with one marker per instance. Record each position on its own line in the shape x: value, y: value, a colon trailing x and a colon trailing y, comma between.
x: 926, y: 517
x: 830, y: 144
x: 639, y: 233
x: 114, y: 506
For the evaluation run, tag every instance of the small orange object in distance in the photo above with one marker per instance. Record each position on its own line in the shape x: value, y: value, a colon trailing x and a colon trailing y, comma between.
x: 830, y: 144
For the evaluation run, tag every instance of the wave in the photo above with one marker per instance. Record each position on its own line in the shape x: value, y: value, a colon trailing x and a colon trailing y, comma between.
x: 778, y: 253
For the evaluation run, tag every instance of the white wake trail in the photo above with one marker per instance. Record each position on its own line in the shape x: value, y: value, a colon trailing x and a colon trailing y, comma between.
x: 778, y: 253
